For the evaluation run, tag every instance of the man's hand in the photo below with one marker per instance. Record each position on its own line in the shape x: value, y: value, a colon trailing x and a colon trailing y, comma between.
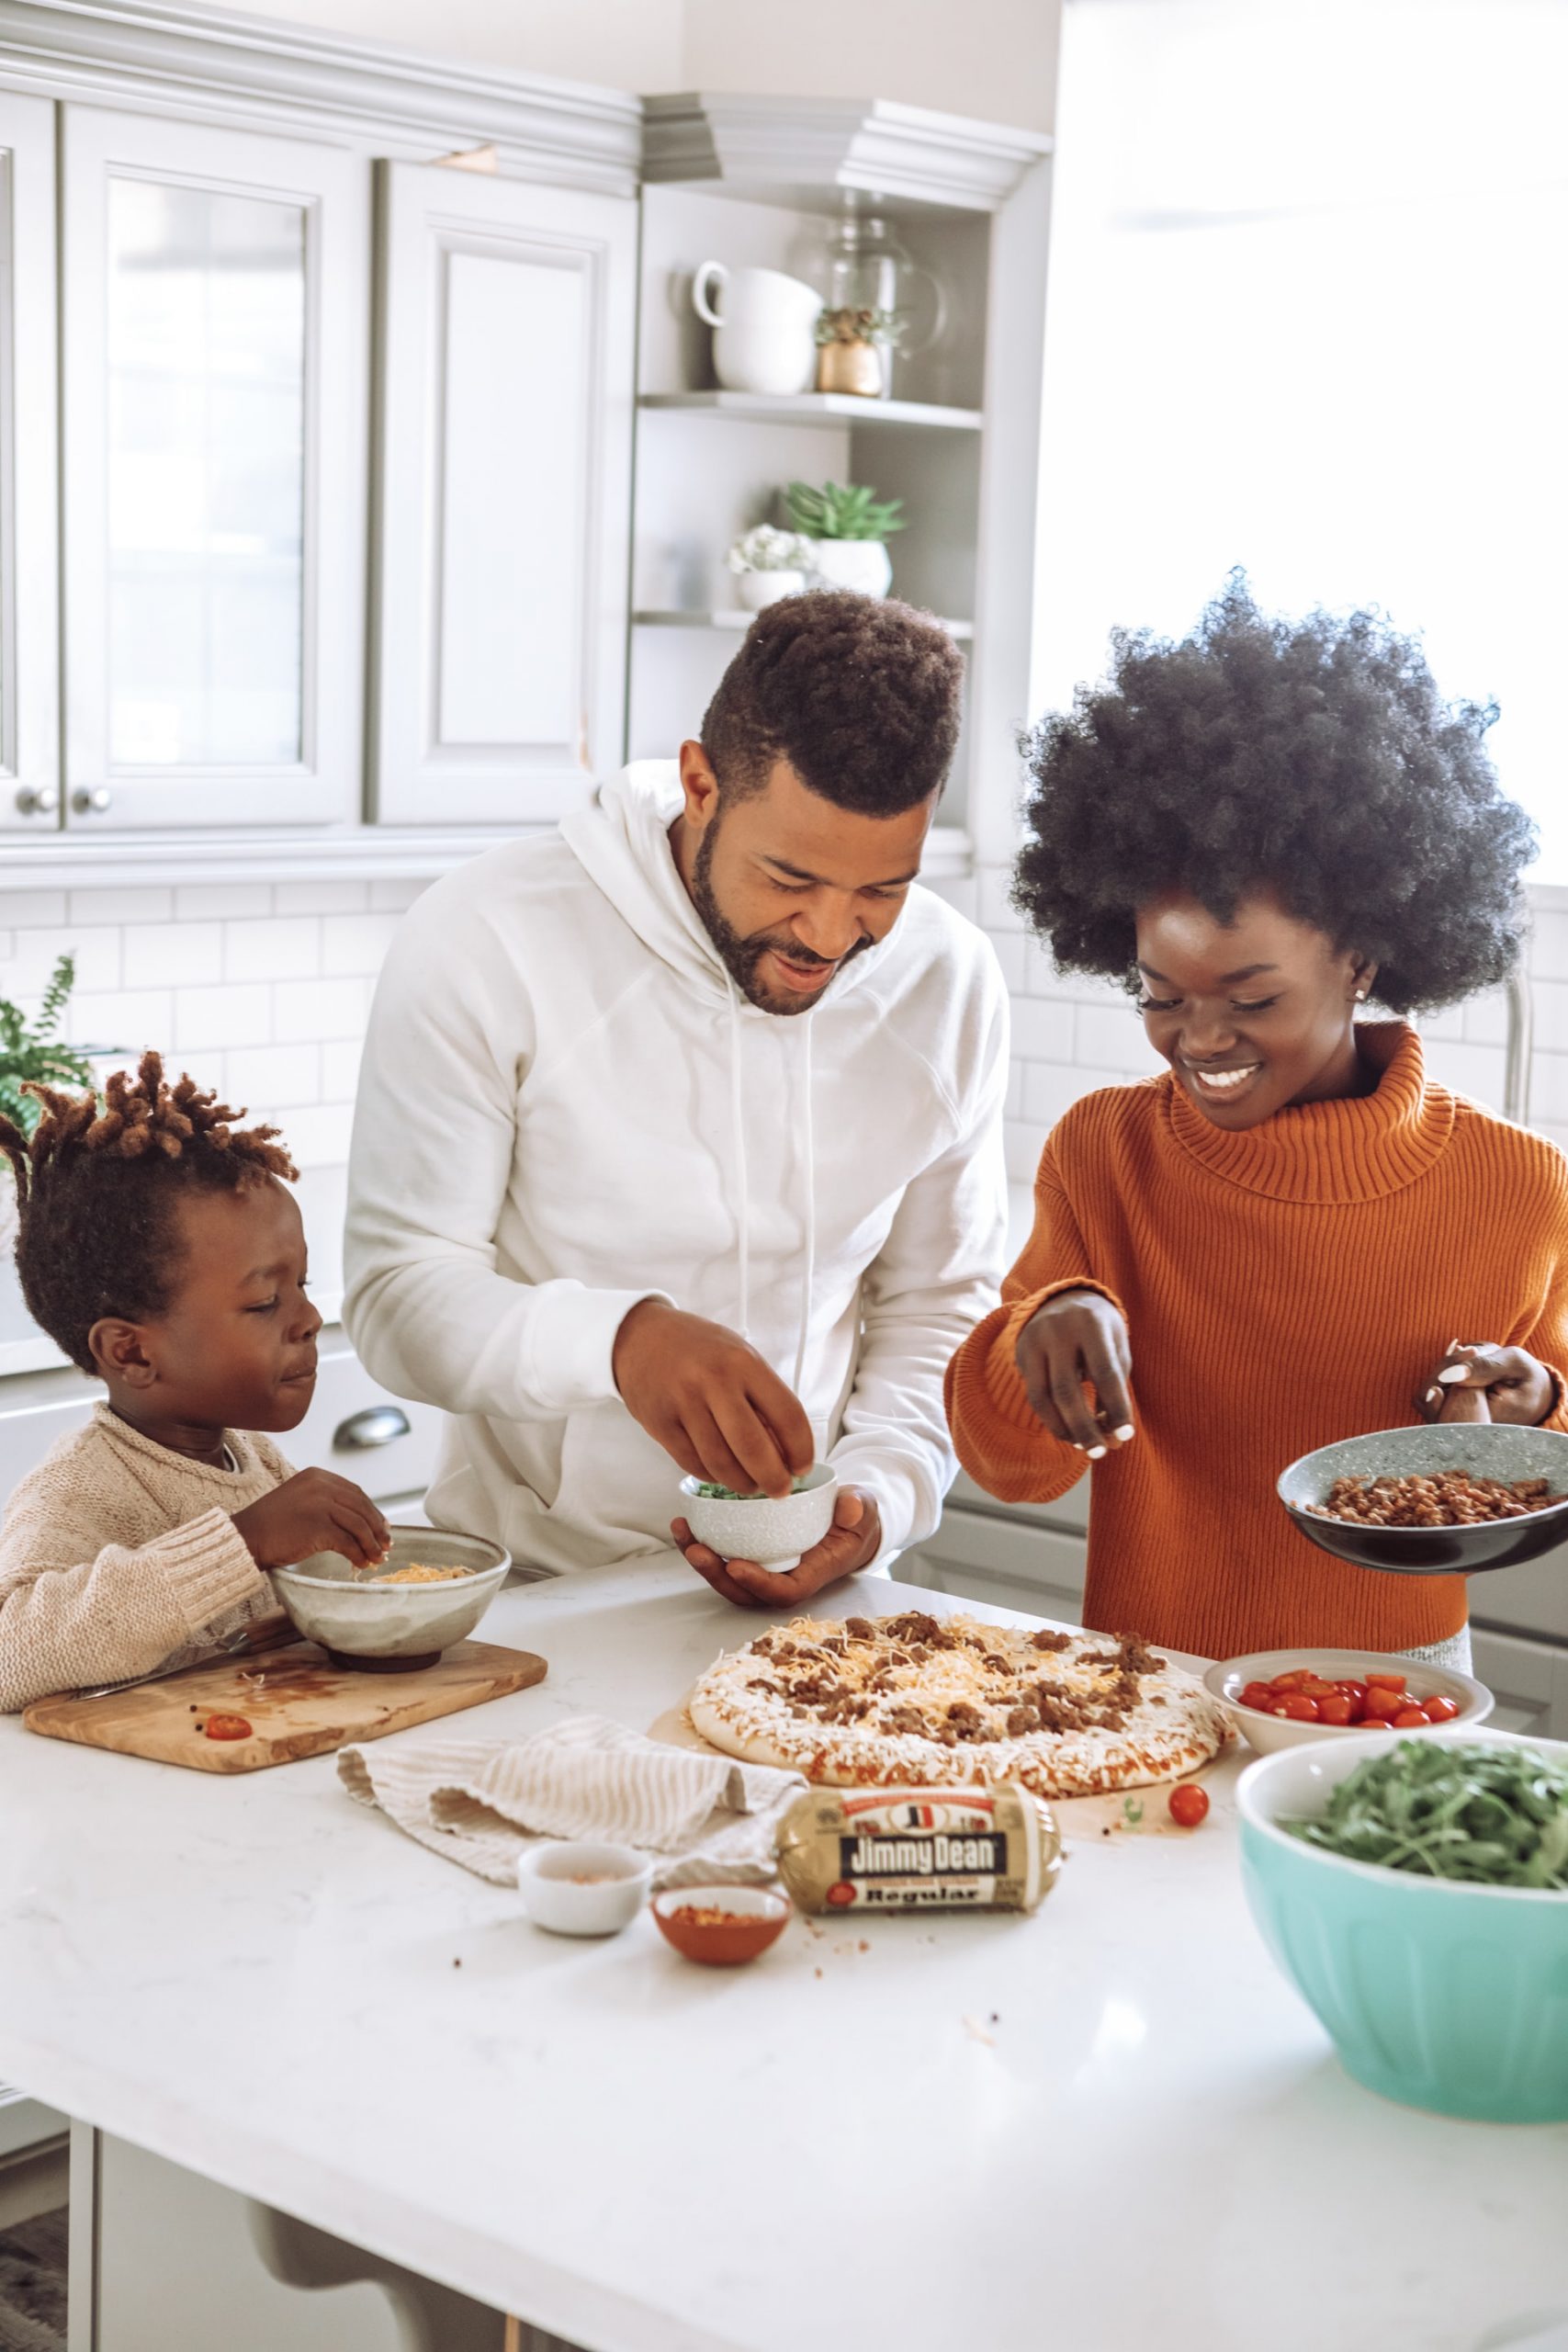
x: 853, y: 1542
x: 711, y: 1401
x: 1078, y: 1337
x: 1512, y: 1385
x: 315, y: 1511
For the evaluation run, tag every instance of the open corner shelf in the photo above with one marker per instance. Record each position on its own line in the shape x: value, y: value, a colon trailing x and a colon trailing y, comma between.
x: 733, y: 617
x: 835, y: 409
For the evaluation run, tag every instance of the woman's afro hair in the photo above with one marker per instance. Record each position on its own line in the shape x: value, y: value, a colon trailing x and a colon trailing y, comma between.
x: 1315, y: 759
x: 96, y: 1187
x: 861, y: 694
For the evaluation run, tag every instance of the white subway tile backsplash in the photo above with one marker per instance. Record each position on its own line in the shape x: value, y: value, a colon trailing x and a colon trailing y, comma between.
x: 340, y: 1068
x: 997, y: 910
x: 357, y: 942
x: 1013, y: 1106
x: 1022, y: 1141
x: 7, y: 949
x: 121, y: 906
x: 263, y: 1076
x: 31, y: 909
x: 1475, y: 1070
x: 1549, y: 1089
x: 1547, y: 947
x: 216, y: 901
x: 1487, y: 1019
x: 320, y: 897
x: 393, y: 894
x: 208, y: 1019
x: 126, y: 1021
x: 316, y: 1133
x: 278, y: 947
x: 1113, y: 1035
x: 175, y: 955
x: 1550, y: 998
x: 318, y: 1009
x: 96, y: 950
x: 1042, y: 1029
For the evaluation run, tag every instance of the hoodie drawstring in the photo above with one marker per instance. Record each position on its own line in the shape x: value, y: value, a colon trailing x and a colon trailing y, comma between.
x: 742, y: 1174
x: 737, y: 1126
x: 810, y: 1212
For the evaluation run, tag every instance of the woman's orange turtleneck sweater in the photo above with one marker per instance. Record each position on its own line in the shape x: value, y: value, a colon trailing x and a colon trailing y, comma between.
x: 1284, y: 1286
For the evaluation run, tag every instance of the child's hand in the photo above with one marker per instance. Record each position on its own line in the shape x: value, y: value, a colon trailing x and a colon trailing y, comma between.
x: 316, y: 1511
x: 1516, y: 1387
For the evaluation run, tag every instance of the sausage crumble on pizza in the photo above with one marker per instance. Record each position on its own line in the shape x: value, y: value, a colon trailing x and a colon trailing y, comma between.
x: 916, y: 1700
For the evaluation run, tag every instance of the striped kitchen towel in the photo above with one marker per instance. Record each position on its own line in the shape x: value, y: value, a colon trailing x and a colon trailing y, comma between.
x: 706, y: 1817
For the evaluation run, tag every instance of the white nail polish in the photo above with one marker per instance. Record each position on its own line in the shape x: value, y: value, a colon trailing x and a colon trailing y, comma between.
x: 1450, y: 1373
x: 1434, y: 1396
x: 1124, y: 1433
x: 1095, y: 1452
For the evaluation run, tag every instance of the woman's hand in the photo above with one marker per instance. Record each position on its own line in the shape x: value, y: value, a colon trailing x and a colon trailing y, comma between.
x: 1515, y: 1386
x: 1078, y: 1337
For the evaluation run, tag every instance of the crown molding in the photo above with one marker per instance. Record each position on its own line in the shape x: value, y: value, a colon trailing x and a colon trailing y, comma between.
x: 255, y: 70
x: 788, y: 151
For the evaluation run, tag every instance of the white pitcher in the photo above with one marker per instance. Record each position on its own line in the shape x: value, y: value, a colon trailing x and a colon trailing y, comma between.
x: 765, y: 338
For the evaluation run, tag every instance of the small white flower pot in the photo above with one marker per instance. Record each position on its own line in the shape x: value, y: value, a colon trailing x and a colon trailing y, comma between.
x: 754, y: 591
x: 863, y: 565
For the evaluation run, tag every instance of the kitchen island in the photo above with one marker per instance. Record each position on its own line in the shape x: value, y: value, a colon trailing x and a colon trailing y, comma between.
x: 1104, y: 2128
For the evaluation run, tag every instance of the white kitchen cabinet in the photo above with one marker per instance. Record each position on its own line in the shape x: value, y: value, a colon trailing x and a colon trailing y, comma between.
x: 505, y: 473
x: 215, y: 336
x: 29, y: 729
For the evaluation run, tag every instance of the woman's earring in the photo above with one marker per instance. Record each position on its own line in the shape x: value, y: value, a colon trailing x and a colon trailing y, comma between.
x: 1361, y: 996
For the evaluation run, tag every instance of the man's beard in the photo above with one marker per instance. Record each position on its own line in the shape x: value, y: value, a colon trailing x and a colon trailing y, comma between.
x: 742, y: 957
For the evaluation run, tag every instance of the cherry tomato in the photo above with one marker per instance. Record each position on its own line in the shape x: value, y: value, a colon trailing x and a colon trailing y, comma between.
x: 1376, y: 1723
x: 1317, y: 1689
x: 1412, y: 1719
x: 227, y: 1727
x: 1258, y: 1694
x: 1293, y: 1680
x: 1336, y: 1709
x: 1383, y: 1705
x: 1385, y: 1682
x: 1298, y: 1708
x: 1351, y: 1689
x: 1439, y: 1710
x: 1189, y: 1804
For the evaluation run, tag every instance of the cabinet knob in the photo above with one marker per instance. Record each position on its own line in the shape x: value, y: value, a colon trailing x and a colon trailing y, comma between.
x: 377, y: 1425
x: 38, y: 800
x: 94, y: 803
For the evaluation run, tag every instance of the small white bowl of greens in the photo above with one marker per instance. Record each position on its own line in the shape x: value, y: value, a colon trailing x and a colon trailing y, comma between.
x: 775, y: 1530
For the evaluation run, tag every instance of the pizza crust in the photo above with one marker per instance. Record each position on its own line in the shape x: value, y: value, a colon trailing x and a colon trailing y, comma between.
x: 915, y: 1700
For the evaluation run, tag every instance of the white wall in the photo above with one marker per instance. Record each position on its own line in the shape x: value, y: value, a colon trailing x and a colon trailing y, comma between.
x: 994, y: 58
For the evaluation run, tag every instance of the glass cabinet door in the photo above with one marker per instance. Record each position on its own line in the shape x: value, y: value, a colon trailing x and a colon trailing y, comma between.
x: 215, y: 332
x: 29, y: 676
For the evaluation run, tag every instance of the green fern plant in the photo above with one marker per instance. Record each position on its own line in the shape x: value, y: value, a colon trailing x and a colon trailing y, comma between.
x: 36, y: 1051
x: 847, y: 510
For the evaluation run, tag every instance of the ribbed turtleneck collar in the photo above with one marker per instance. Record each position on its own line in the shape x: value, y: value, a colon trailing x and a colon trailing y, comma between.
x: 1355, y: 1148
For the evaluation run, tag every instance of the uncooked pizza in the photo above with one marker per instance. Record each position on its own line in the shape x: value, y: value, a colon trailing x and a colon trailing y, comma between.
x: 918, y: 1700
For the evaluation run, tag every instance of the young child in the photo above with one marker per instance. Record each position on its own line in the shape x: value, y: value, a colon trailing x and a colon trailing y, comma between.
x: 1294, y: 1237
x: 162, y: 1253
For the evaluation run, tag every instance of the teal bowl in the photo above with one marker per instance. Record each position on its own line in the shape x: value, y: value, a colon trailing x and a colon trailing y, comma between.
x: 1441, y: 1994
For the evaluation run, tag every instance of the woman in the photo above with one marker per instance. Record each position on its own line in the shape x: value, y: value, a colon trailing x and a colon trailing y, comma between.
x: 1294, y: 1236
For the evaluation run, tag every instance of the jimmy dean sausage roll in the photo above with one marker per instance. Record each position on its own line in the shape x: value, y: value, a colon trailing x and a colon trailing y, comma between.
x: 918, y: 1850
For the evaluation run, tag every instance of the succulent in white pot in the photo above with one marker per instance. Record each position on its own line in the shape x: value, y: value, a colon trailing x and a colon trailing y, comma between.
x: 847, y: 526
x: 767, y: 564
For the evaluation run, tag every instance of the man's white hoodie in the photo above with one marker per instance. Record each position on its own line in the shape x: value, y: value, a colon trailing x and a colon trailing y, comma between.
x: 566, y: 1107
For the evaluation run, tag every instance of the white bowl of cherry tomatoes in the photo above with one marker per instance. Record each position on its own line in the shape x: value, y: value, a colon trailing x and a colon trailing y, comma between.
x: 1283, y: 1698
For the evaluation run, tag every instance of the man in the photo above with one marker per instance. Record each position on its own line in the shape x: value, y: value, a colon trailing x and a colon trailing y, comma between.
x: 678, y: 1139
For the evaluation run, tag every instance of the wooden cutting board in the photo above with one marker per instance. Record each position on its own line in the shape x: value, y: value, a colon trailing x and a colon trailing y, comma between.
x: 297, y: 1703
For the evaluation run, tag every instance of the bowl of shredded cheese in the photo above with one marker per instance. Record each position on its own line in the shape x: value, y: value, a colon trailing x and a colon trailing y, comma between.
x: 430, y: 1591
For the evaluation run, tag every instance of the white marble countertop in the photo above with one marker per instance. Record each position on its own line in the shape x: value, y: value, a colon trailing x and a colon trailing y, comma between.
x: 1109, y: 2127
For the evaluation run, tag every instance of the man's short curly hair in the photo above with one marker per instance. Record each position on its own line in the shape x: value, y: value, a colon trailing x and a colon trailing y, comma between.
x: 861, y: 694
x: 1313, y: 758
x: 96, y: 1187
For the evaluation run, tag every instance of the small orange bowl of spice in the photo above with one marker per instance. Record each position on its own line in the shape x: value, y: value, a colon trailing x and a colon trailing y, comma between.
x: 721, y: 1926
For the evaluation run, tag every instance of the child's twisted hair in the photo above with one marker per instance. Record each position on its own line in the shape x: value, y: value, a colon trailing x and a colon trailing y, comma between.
x: 95, y: 1189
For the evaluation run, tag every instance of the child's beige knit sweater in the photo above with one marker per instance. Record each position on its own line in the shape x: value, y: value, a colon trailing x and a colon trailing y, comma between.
x: 119, y: 1557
